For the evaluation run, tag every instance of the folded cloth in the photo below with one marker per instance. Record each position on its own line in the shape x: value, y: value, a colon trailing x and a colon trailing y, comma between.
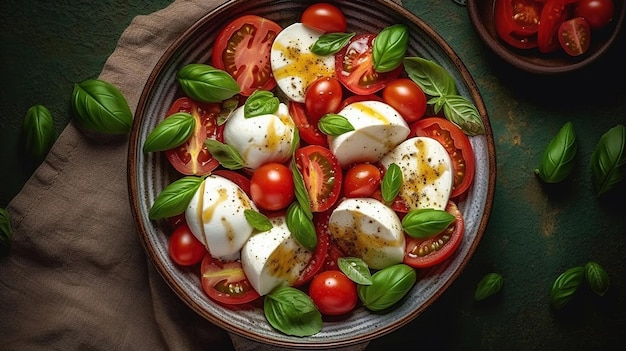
x: 77, y: 277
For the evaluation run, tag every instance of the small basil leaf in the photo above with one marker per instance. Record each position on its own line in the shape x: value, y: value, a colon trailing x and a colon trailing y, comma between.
x: 302, y: 195
x: 295, y: 142
x: 608, y: 161
x: 557, y: 161
x: 257, y: 220
x: 431, y: 77
x: 175, y: 198
x: 170, y: 132
x: 292, y: 312
x: 261, y: 102
x: 100, y: 106
x: 389, y: 47
x: 225, y: 154
x: 356, y: 269
x: 391, y: 183
x: 301, y: 226
x: 332, y: 124
x: 565, y: 286
x: 489, y: 285
x: 206, y: 83
x: 389, y: 285
x: 331, y: 43
x: 426, y: 222
x: 39, y: 131
x: 228, y: 107
x: 460, y: 111
x: 597, y: 278
x: 6, y: 235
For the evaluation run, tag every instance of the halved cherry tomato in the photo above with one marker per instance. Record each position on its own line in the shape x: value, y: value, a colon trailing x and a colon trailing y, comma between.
x: 517, y: 22
x: 323, y: 96
x: 184, y: 248
x: 598, y: 13
x: 574, y: 36
x: 192, y: 157
x: 226, y: 282
x: 242, y: 48
x: 308, y: 130
x: 355, y: 70
x: 553, y: 14
x: 271, y: 186
x: 422, y: 253
x: 316, y: 264
x: 333, y: 293
x: 324, y: 17
x: 406, y: 97
x: 322, y: 175
x: 361, y: 180
x: 456, y: 143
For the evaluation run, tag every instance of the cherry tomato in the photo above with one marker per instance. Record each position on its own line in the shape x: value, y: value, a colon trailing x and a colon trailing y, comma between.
x: 553, y: 14
x: 361, y: 180
x: 456, y: 143
x: 358, y: 98
x: 407, y: 98
x: 323, y: 96
x: 242, y: 48
x: 271, y: 186
x: 574, y: 36
x: 517, y: 22
x: 598, y: 13
x: 322, y: 175
x: 184, y: 248
x: 226, y: 282
x: 422, y: 253
x: 235, y: 177
x: 324, y: 17
x: 320, y: 219
x: 333, y: 293
x: 192, y: 157
x: 355, y: 70
x: 308, y: 130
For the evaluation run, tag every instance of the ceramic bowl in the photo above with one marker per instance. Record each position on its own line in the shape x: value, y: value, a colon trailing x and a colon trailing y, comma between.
x: 150, y: 173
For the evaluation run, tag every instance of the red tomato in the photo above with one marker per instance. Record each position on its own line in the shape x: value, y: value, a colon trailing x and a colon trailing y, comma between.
x: 308, y: 130
x: 226, y: 282
x: 422, y: 253
x: 553, y: 14
x: 323, y: 96
x: 242, y: 48
x: 517, y: 22
x: 598, y: 13
x: 333, y: 293
x: 355, y: 70
x: 324, y: 17
x: 322, y: 175
x: 271, y: 186
x: 361, y: 180
x: 456, y: 143
x: 406, y: 97
x: 574, y: 36
x: 184, y: 248
x: 358, y: 98
x: 320, y: 220
x: 235, y: 177
x: 192, y: 157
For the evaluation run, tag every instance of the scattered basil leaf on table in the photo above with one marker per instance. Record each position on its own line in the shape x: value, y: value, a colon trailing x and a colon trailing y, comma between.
x: 257, y: 220
x: 389, y: 47
x: 331, y: 43
x: 356, y: 269
x: 175, y: 198
x: 557, y: 161
x: 333, y: 124
x: 464, y: 114
x: 38, y: 131
x: 489, y: 285
x: 225, y: 154
x: 206, y: 83
x: 100, y: 106
x: 292, y: 312
x: 389, y: 285
x: 426, y: 222
x: 597, y: 278
x: 6, y: 235
x: 301, y: 226
x: 391, y: 183
x: 565, y: 286
x: 260, y: 102
x: 171, y: 132
x: 608, y: 161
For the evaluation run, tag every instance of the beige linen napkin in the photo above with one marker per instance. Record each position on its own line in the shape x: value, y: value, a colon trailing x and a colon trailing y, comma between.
x: 77, y: 277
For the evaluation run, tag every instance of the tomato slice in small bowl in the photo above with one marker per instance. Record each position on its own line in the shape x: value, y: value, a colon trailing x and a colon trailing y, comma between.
x: 517, y: 22
x: 322, y: 175
x: 553, y: 14
x: 575, y: 36
x: 226, y: 282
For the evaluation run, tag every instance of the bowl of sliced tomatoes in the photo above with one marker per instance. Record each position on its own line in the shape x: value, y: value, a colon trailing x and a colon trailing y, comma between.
x: 290, y: 163
x: 548, y: 36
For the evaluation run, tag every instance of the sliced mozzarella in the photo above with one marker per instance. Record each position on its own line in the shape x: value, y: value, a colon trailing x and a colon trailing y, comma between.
x: 261, y: 139
x: 378, y: 128
x: 427, y: 175
x: 273, y: 258
x: 294, y: 66
x: 368, y: 229
x: 215, y: 216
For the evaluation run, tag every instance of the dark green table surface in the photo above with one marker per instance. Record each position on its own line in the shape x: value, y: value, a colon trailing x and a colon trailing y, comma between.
x: 534, y: 232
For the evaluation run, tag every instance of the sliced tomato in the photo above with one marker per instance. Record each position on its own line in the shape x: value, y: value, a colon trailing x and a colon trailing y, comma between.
x: 456, y: 143
x: 517, y: 22
x: 354, y: 67
x: 308, y: 131
x: 358, y: 98
x: 242, y: 48
x: 553, y: 14
x: 322, y: 175
x: 574, y: 36
x: 226, y: 282
x: 242, y: 181
x: 422, y: 253
x: 192, y: 157
x: 321, y: 250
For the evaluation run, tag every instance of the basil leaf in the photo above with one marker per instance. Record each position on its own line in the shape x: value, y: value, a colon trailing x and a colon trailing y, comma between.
x: 170, y: 132
x: 333, y: 124
x: 301, y: 226
x: 389, y: 47
x: 557, y: 161
x: 389, y: 285
x: 206, y: 83
x: 565, y: 286
x: 431, y: 77
x: 331, y: 43
x: 6, y: 235
x: 391, y: 183
x: 295, y: 141
x: 302, y: 195
x: 608, y: 161
x: 261, y: 102
x: 100, y: 106
x: 175, y: 198
x: 426, y: 222
x: 257, y: 220
x: 489, y: 285
x: 460, y: 111
x: 292, y: 312
x: 225, y: 154
x: 228, y: 107
x: 597, y: 278
x: 356, y: 269
x: 38, y: 131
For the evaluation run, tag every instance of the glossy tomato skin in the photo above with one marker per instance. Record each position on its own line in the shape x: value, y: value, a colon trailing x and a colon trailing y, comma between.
x: 242, y: 48
x: 192, y: 157
x: 598, y: 13
x: 517, y: 22
x: 309, y: 132
x: 574, y: 36
x: 184, y: 248
x: 406, y: 97
x: 324, y: 17
x: 361, y: 180
x: 553, y: 14
x: 271, y: 186
x: 322, y: 175
x: 333, y: 293
x: 226, y: 282
x: 323, y: 96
